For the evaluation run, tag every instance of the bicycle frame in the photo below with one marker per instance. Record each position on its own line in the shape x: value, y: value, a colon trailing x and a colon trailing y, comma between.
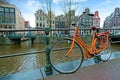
x: 90, y: 49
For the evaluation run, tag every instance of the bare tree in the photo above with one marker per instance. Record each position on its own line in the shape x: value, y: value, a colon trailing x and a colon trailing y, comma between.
x: 69, y: 9
x: 48, y: 10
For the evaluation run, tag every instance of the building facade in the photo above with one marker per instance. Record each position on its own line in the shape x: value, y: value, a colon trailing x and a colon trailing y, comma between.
x: 60, y: 23
x: 87, y: 20
x: 113, y: 21
x: 7, y: 16
x: 10, y: 16
x: 42, y: 20
x: 19, y: 19
x: 96, y: 20
x: 65, y: 21
x: 27, y: 24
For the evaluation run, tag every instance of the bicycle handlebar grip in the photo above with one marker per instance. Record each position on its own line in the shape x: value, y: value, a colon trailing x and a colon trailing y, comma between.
x: 73, y: 24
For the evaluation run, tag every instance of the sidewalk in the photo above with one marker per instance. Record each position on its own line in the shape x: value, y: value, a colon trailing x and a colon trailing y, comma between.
x: 109, y: 70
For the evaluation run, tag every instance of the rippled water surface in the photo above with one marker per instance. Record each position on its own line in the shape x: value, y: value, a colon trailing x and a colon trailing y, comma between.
x: 21, y: 63
x: 24, y: 63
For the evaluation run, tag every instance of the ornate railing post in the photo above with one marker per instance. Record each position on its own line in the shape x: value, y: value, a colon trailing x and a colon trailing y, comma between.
x: 48, y: 67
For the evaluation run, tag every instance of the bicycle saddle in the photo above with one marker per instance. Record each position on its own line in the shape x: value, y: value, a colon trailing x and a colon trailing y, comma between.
x: 93, y: 28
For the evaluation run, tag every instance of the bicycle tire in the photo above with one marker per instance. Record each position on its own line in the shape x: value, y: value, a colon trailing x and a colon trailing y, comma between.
x: 104, y: 55
x: 60, y: 62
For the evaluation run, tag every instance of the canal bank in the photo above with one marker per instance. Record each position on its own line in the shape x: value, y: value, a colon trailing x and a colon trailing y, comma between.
x: 102, y: 71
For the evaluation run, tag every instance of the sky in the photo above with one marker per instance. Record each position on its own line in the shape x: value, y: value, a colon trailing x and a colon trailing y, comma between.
x: 29, y: 7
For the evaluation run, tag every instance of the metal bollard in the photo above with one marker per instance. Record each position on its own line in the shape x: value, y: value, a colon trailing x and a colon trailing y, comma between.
x: 48, y: 67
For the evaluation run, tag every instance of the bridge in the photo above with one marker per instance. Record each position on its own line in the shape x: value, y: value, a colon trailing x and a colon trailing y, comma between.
x: 115, y: 38
x: 16, y: 38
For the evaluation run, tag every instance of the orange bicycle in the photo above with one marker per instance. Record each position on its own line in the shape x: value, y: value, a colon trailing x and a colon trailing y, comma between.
x: 68, y: 54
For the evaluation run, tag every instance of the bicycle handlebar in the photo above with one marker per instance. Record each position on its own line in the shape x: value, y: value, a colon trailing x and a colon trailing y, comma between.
x: 73, y: 24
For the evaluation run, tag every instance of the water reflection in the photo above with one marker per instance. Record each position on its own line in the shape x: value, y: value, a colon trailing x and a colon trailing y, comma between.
x: 28, y: 62
x: 33, y: 74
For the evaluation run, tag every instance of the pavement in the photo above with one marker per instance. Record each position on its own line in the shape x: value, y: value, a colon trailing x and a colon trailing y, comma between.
x: 109, y: 70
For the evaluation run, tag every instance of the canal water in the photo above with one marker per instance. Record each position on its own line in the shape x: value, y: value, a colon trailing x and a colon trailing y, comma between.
x: 16, y: 64
x: 22, y: 67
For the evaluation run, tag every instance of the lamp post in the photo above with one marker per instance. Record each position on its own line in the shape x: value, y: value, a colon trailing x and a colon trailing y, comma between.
x: 48, y: 67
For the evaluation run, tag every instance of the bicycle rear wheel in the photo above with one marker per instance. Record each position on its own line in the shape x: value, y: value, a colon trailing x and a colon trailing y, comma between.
x: 105, y: 54
x: 64, y: 64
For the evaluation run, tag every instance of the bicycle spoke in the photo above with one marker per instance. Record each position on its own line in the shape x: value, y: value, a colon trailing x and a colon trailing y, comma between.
x: 106, y: 52
x: 62, y: 63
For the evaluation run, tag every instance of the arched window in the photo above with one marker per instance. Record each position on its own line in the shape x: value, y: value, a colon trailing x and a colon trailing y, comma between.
x: 40, y: 24
x: 37, y: 24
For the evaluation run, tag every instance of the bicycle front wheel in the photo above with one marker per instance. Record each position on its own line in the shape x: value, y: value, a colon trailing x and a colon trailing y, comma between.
x: 105, y: 54
x: 64, y: 64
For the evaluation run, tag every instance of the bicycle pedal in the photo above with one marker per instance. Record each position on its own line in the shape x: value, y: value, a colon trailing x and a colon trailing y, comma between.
x: 95, y: 55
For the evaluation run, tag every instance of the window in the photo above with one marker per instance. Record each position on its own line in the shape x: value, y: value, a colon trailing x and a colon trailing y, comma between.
x: 90, y: 24
x: 36, y: 17
x: 114, y: 24
x: 53, y: 22
x: 1, y: 14
x: 47, y: 22
x: 43, y: 25
x: 119, y: 19
x: 13, y: 20
x: 40, y: 18
x: 5, y: 26
x: 12, y: 10
x: 116, y: 13
x: 90, y: 20
x: 0, y: 26
x: 43, y: 18
x: 40, y: 24
x: 12, y: 15
x: 83, y: 20
x: 7, y: 21
x: 1, y: 9
x: 7, y: 15
x: 114, y: 19
x: 6, y: 9
x: 3, y: 21
x: 37, y: 24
